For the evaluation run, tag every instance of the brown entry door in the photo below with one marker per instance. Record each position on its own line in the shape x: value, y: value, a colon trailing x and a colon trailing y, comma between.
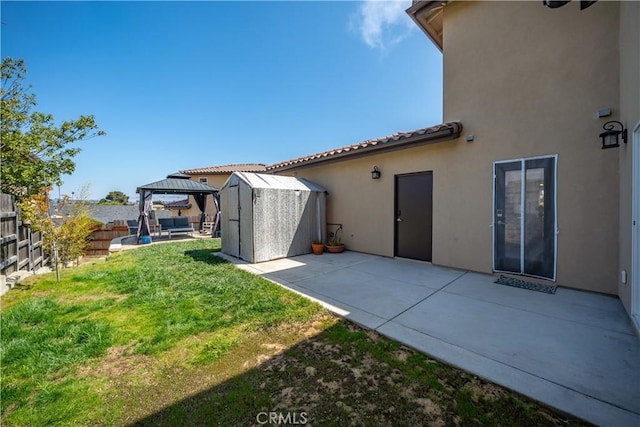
x: 414, y: 215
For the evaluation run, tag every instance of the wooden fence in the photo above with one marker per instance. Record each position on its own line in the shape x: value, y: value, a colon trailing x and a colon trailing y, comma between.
x: 20, y: 248
x: 101, y: 237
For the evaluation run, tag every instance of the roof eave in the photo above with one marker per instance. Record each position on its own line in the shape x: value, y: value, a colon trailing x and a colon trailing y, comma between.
x: 226, y: 169
x: 450, y: 133
x: 423, y: 14
x: 209, y: 172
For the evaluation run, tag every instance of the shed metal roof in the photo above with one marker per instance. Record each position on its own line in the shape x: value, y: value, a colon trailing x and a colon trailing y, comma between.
x: 260, y: 180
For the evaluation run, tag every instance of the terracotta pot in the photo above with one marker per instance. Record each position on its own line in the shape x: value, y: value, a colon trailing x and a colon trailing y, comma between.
x: 318, y: 248
x: 335, y: 249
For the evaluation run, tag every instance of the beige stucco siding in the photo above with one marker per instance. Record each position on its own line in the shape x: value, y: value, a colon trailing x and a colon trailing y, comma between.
x: 630, y: 116
x: 365, y: 207
x: 527, y: 81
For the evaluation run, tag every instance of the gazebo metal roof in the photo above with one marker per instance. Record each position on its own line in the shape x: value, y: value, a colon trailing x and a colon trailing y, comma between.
x: 177, y: 186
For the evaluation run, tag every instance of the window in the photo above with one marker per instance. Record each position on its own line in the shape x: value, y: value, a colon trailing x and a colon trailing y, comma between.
x: 204, y: 181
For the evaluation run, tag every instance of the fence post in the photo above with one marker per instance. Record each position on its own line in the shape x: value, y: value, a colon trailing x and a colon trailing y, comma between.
x: 17, y: 228
x: 30, y: 249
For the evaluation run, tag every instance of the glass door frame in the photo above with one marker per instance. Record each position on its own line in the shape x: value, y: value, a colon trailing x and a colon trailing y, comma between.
x: 523, y: 170
x: 635, y: 228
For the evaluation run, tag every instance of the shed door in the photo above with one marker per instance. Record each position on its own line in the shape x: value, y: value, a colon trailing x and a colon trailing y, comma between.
x: 233, y: 210
x: 414, y: 215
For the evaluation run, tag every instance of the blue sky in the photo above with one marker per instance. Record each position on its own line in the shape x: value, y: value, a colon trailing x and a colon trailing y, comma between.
x: 180, y: 85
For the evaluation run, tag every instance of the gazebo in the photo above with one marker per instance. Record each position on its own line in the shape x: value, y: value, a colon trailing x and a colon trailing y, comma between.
x: 177, y: 183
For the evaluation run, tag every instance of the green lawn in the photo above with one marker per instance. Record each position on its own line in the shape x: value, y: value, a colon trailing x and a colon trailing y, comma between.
x: 169, y: 334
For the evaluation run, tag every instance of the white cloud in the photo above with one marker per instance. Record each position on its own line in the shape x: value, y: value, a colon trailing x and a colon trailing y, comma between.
x: 383, y: 23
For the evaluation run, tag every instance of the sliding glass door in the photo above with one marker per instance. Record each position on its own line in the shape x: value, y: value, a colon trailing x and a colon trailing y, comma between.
x: 524, y: 219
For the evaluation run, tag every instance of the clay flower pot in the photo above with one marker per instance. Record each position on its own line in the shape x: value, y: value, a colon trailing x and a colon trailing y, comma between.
x: 318, y: 248
x: 334, y: 243
x: 335, y: 249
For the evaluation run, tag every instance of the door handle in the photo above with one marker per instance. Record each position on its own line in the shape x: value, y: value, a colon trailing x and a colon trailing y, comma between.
x: 399, y: 219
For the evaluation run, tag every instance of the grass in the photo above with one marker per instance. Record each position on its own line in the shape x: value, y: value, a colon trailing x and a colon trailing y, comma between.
x: 172, y: 335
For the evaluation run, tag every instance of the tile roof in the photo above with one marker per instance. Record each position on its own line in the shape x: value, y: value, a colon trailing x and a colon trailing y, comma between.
x: 212, y: 170
x: 436, y: 133
x: 184, y: 203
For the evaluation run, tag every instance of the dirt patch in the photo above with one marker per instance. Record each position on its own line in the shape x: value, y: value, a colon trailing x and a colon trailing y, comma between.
x: 484, y: 390
x: 373, y: 336
x: 331, y: 386
x: 43, y: 294
x: 118, y: 363
x: 274, y: 346
x: 315, y: 328
x: 261, y: 358
x: 402, y: 354
x: 428, y: 406
x: 89, y: 298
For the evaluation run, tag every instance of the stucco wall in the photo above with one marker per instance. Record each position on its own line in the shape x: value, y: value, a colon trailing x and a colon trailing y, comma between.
x: 630, y: 116
x: 365, y: 206
x: 526, y: 81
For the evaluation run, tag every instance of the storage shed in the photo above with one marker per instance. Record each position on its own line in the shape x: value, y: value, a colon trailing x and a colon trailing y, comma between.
x: 266, y: 217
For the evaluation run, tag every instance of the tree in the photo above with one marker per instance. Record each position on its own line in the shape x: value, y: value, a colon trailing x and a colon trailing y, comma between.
x: 66, y: 231
x: 35, y: 151
x: 115, y: 198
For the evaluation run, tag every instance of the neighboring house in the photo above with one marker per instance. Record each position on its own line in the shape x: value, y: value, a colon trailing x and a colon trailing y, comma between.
x: 101, y: 213
x: 178, y: 207
x: 110, y: 213
x: 214, y: 176
x: 523, y: 188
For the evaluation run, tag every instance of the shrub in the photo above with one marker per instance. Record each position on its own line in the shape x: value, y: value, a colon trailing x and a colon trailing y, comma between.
x: 68, y: 233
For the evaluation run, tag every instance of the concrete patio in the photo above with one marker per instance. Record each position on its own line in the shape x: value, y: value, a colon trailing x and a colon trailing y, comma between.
x: 574, y: 351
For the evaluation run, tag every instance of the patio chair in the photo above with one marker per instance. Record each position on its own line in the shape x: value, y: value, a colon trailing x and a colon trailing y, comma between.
x: 133, y: 226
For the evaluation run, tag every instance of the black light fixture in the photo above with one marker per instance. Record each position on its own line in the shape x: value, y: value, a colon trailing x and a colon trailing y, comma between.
x: 375, y: 173
x: 555, y: 4
x: 611, y: 134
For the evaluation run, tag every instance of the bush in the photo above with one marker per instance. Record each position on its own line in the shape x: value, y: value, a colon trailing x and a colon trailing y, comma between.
x: 70, y: 233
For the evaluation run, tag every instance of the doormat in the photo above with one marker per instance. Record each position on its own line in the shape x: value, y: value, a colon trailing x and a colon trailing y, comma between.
x: 522, y: 284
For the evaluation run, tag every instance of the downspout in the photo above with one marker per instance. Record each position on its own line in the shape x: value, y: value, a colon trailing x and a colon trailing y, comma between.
x: 318, y: 220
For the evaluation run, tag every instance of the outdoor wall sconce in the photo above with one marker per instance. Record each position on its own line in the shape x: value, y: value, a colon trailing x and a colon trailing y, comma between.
x: 375, y: 173
x: 552, y: 4
x: 611, y: 134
